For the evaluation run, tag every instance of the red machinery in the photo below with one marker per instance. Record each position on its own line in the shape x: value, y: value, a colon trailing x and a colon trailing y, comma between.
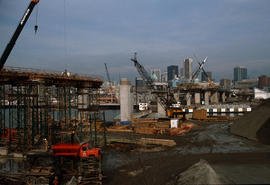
x: 9, y: 131
x: 84, y: 150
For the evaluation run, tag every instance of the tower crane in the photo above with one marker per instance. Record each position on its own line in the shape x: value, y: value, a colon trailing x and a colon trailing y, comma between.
x: 17, y: 32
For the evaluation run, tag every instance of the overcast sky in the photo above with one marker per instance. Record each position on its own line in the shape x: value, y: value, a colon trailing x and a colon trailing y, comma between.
x: 83, y: 35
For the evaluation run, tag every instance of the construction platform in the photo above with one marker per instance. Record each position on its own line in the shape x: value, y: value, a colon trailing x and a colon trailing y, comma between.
x: 19, y: 76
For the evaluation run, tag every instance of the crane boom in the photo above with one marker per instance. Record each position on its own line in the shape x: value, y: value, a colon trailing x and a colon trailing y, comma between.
x: 195, y: 75
x: 144, y: 74
x: 17, y: 32
x: 107, y: 73
x: 149, y: 81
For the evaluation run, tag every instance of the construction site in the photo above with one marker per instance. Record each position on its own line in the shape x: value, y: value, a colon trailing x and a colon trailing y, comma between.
x: 54, y: 128
x: 54, y: 131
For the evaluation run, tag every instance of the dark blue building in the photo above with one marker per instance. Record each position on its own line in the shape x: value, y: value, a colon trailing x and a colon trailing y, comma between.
x: 240, y: 73
x: 172, y: 71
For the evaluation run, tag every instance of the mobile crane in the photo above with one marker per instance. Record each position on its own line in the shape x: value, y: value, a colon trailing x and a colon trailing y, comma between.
x: 17, y: 32
x: 166, y: 103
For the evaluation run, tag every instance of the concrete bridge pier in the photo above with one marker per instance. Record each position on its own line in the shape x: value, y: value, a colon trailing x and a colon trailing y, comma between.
x: 223, y: 97
x: 214, y: 98
x: 197, y: 98
x: 126, y: 105
x: 206, y: 97
x: 188, y: 99
x: 161, y: 111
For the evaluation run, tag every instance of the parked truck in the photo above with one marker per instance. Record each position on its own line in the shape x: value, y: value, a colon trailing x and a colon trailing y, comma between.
x: 78, y: 150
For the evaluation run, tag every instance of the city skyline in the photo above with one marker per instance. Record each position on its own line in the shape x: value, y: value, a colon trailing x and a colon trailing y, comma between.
x: 163, y: 33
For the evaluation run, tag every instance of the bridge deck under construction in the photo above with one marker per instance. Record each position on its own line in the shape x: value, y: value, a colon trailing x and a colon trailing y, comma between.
x: 20, y: 76
x: 37, y: 105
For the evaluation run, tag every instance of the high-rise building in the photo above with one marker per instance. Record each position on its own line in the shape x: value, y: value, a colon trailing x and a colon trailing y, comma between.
x: 204, y: 77
x: 140, y: 82
x: 172, y: 72
x: 164, y: 77
x: 156, y: 75
x: 240, y: 73
x: 226, y: 83
x: 182, y: 72
x: 264, y: 82
x: 188, y: 69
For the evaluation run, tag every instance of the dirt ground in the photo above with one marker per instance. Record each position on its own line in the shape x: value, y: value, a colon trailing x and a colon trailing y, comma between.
x: 237, y: 159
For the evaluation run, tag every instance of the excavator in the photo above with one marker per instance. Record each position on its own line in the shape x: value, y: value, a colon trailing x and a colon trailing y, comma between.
x: 17, y: 33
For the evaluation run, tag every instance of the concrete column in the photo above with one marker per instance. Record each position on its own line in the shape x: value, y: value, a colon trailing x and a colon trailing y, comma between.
x: 161, y: 111
x: 125, y: 100
x: 188, y: 99
x: 131, y: 103
x: 197, y: 98
x: 214, y: 97
x: 206, y: 97
x: 223, y: 97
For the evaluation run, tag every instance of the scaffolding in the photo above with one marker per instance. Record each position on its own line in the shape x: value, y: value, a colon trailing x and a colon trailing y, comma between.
x: 37, y: 105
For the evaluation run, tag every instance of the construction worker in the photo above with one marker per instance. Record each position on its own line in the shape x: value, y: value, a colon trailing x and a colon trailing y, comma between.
x: 45, y: 144
x: 55, y: 181
x: 72, y: 136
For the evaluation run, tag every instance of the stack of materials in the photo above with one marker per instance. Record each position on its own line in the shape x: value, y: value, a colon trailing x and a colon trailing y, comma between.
x: 200, y: 114
x: 184, y: 127
x: 152, y: 128
x: 123, y: 128
x: 255, y: 125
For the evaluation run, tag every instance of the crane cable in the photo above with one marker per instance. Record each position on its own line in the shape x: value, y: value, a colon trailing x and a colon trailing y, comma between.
x: 65, y: 35
x: 65, y: 29
x: 36, y: 25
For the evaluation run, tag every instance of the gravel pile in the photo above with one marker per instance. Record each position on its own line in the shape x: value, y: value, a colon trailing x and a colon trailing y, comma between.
x: 255, y: 125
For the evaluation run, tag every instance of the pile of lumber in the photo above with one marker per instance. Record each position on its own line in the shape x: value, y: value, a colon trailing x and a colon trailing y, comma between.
x: 152, y: 141
x: 200, y: 114
x: 151, y: 128
x: 144, y: 120
x: 219, y: 119
x: 123, y: 128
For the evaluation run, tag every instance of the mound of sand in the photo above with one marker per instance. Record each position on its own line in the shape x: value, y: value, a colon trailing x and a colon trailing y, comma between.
x: 199, y: 173
x: 255, y: 125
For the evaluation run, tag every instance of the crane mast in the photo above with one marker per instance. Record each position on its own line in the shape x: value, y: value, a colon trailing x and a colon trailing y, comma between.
x: 17, y: 32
